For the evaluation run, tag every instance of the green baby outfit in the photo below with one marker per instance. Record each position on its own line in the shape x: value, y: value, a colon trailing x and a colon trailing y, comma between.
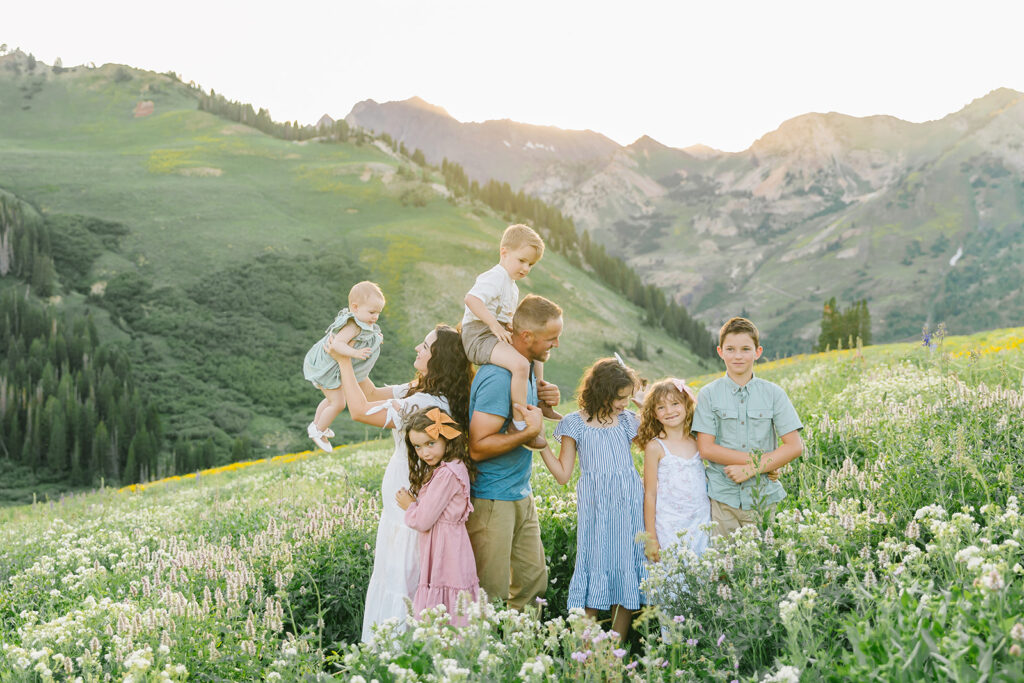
x: 322, y: 370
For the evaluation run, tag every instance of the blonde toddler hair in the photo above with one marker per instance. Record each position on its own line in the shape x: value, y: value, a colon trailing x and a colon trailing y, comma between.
x: 520, y: 235
x: 363, y: 292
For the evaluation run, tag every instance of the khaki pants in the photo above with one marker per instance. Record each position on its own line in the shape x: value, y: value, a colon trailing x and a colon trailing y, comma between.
x: 509, y: 556
x: 729, y: 519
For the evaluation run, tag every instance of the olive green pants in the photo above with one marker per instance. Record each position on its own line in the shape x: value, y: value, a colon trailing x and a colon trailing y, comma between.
x: 729, y: 519
x: 509, y: 555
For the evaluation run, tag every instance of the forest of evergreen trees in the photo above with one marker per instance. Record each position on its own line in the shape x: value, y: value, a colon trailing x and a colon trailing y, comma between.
x: 69, y: 409
x: 844, y: 329
x: 560, y: 233
x: 261, y: 120
x: 68, y: 404
x: 25, y: 251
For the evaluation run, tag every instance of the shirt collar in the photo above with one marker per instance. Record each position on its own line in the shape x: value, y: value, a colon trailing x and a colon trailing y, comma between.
x: 736, y: 388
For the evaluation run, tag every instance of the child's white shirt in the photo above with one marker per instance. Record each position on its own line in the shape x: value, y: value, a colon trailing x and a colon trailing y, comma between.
x: 498, y: 291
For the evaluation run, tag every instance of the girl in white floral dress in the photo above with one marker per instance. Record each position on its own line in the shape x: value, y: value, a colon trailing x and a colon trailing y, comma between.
x: 676, y: 504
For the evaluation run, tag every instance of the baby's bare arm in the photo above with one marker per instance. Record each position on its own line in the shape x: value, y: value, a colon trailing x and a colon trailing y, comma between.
x: 341, y: 342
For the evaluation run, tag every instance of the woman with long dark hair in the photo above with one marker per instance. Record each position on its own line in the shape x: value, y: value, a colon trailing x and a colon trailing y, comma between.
x: 443, y: 379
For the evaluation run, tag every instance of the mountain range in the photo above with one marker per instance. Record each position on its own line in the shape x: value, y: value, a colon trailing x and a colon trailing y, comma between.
x: 923, y: 220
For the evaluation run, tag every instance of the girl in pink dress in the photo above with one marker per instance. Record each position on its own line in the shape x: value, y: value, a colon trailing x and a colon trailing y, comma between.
x: 437, y: 504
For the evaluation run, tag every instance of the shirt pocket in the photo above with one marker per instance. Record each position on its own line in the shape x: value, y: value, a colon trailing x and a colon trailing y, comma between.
x: 729, y: 430
x: 761, y: 434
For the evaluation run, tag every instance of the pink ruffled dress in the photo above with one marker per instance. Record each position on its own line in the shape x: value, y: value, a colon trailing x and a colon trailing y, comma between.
x: 447, y: 566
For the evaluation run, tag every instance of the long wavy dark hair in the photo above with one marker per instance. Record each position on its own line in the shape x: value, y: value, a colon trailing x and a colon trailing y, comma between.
x: 449, y: 373
x: 601, y: 385
x: 454, y: 449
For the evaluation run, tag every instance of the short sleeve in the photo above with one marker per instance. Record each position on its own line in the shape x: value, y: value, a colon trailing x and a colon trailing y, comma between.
x: 487, y: 288
x: 571, y: 425
x: 400, y: 390
x: 493, y: 393
x: 630, y: 423
x: 703, y: 414
x: 344, y: 315
x: 785, y: 418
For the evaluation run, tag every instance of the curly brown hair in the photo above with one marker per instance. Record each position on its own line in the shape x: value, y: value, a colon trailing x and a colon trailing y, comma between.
x: 650, y: 428
x: 454, y: 449
x: 601, y: 385
x: 449, y: 373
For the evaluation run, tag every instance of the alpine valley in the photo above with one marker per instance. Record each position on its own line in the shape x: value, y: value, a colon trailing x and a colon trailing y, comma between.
x: 923, y: 220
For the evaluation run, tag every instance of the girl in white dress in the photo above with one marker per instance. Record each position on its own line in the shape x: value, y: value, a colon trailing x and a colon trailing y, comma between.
x: 443, y: 379
x: 676, y: 503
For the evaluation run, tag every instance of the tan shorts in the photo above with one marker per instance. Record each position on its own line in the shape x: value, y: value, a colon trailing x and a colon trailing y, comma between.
x: 479, y: 342
x: 509, y: 555
x: 728, y: 519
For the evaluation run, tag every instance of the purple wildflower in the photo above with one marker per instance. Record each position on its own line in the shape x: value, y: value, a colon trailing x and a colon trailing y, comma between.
x: 679, y: 618
x: 721, y: 639
x: 632, y: 665
x: 620, y: 653
x: 579, y: 656
x: 692, y: 642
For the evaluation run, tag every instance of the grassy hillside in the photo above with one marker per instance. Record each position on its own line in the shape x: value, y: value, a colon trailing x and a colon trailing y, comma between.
x: 240, y: 247
x: 895, y: 556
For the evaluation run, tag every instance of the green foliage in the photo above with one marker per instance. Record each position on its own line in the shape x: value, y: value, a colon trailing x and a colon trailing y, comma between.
x: 559, y: 233
x: 25, y: 251
x: 69, y: 408
x: 895, y: 556
x: 844, y: 329
x: 77, y: 241
x: 214, y: 350
x: 261, y: 120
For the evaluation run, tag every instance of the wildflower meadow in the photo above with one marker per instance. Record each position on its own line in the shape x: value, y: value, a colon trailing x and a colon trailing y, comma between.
x: 896, y: 556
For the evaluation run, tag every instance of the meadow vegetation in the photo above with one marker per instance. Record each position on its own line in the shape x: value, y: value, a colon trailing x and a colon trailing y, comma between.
x: 212, y: 254
x: 896, y: 556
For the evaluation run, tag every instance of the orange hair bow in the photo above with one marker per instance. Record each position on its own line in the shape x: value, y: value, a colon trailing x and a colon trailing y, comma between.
x: 440, y: 427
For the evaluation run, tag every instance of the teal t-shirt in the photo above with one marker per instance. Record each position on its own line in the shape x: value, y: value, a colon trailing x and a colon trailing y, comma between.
x: 746, y: 418
x: 505, y: 477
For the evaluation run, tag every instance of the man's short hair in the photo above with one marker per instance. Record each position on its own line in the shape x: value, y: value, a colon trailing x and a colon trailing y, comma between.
x: 739, y: 325
x: 534, y: 312
x: 520, y: 235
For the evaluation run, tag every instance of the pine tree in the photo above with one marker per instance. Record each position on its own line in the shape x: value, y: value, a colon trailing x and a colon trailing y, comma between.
x: 131, y: 466
x: 100, y: 452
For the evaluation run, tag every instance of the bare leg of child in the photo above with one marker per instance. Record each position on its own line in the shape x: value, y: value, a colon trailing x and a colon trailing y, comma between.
x: 329, y: 433
x: 621, y: 620
x: 504, y: 355
x: 546, y: 409
x: 325, y: 414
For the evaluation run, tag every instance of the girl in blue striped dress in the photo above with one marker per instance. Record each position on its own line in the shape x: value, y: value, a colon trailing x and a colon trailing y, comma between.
x: 610, y: 564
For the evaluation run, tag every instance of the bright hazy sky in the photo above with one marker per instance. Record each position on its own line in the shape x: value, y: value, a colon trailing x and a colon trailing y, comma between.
x: 719, y: 73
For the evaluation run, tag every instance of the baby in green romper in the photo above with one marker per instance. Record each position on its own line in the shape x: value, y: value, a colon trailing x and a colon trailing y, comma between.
x: 353, y: 333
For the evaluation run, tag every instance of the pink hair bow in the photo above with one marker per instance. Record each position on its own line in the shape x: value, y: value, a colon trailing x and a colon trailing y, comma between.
x: 683, y: 387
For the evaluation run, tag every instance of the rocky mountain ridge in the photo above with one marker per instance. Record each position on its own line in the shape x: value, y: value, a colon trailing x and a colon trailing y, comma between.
x: 825, y: 205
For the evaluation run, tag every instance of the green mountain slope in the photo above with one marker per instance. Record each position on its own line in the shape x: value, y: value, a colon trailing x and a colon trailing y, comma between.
x: 924, y: 220
x: 239, y: 248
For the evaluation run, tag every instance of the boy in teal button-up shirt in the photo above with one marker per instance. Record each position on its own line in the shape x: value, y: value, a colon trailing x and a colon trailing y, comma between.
x: 736, y: 415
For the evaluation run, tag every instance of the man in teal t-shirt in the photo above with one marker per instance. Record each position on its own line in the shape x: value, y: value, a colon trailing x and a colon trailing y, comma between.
x: 503, y: 525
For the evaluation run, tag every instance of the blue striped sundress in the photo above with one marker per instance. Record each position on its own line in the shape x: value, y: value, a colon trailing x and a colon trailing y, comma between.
x: 610, y: 564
